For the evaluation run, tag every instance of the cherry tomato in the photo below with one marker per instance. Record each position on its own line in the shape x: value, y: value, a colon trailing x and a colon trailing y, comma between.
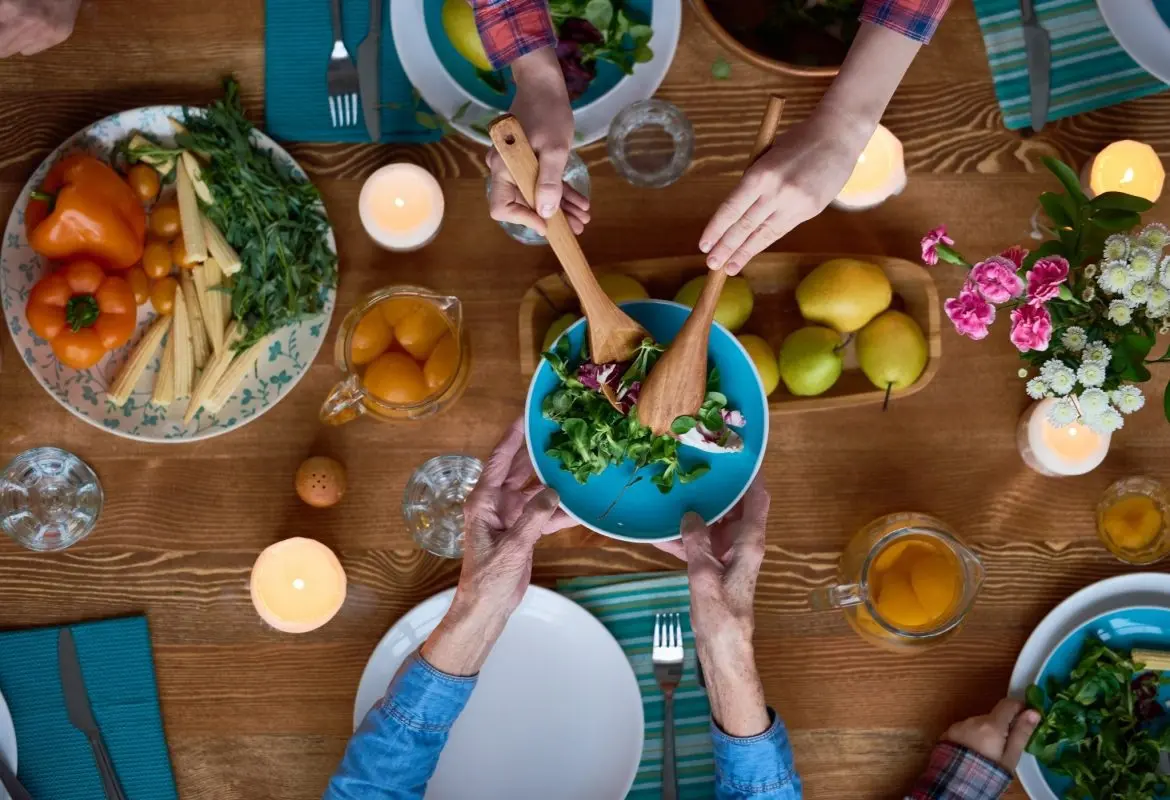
x: 162, y: 295
x: 164, y: 220
x: 139, y: 283
x: 179, y: 254
x: 156, y: 259
x: 144, y: 181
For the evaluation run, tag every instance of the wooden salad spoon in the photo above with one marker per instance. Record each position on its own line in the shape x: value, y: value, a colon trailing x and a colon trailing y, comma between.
x: 677, y: 384
x: 613, y: 335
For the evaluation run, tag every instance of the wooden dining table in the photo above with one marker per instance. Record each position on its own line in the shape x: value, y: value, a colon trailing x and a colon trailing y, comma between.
x: 251, y: 713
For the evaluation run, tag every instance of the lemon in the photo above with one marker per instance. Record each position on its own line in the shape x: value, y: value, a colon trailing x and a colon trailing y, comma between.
x: 764, y: 357
x: 735, y: 301
x: 459, y: 24
x: 559, y: 326
x: 621, y: 288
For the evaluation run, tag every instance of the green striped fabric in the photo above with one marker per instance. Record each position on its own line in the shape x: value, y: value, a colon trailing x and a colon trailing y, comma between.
x: 625, y: 605
x: 1089, y: 68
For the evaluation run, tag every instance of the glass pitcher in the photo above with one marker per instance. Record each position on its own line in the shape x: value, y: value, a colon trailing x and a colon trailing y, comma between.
x: 444, y: 368
x: 906, y: 582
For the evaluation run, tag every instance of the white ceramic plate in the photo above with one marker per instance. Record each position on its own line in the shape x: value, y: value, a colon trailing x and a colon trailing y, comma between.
x: 83, y: 391
x: 450, y: 101
x: 1142, y: 32
x: 556, y: 711
x: 7, y: 742
x: 1112, y: 594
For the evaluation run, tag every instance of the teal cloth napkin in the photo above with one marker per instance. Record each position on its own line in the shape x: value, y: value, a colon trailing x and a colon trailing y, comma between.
x: 298, y: 36
x: 55, y: 761
x: 1089, y: 68
x: 625, y: 605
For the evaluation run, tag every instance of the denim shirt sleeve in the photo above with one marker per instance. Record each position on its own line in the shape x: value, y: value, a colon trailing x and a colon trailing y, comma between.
x: 393, y: 753
x: 757, y: 767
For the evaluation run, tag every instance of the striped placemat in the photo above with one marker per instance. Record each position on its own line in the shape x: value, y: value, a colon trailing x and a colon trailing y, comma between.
x: 625, y: 605
x: 1089, y: 68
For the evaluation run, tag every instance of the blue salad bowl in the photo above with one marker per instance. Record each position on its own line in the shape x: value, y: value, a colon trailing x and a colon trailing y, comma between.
x: 642, y: 513
x: 1143, y: 627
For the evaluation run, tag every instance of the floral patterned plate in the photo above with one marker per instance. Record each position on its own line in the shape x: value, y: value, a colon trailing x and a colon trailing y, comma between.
x: 83, y: 392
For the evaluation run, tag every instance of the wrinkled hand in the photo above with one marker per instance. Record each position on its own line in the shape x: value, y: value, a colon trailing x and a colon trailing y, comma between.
x: 542, y: 107
x: 30, y: 26
x: 790, y: 183
x: 1000, y: 736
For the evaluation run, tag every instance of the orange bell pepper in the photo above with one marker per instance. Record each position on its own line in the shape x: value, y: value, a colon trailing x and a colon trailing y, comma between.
x: 82, y: 312
x: 85, y: 208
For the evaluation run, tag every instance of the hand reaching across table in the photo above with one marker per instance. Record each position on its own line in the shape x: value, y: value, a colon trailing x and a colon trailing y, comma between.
x: 30, y: 26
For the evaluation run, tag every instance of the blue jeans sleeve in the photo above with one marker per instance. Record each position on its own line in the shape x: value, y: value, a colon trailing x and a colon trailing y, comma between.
x: 393, y: 753
x: 756, y: 767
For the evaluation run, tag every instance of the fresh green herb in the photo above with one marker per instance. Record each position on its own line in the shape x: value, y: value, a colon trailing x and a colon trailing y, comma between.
x: 644, y: 359
x: 1096, y: 729
x: 275, y: 220
x: 624, y: 41
x: 721, y: 70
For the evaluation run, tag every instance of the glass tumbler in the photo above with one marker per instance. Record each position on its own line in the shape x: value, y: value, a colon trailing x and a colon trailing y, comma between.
x: 49, y: 499
x: 576, y: 175
x: 433, y: 503
x: 651, y: 143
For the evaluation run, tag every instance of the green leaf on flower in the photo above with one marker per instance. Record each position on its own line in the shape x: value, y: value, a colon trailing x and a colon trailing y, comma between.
x: 1068, y: 179
x: 1129, y: 355
x: 1054, y: 206
x: 1115, y: 221
x: 1120, y: 201
x: 950, y: 256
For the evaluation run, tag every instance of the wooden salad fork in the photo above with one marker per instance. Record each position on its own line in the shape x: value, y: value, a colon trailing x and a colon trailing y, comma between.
x: 613, y: 335
x: 677, y: 384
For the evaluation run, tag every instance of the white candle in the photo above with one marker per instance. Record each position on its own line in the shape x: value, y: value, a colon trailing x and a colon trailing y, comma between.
x: 401, y: 206
x: 297, y: 585
x: 880, y: 173
x: 1072, y: 450
x: 1125, y: 166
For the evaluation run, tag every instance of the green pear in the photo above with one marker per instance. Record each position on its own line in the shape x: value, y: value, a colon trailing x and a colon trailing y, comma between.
x: 891, y: 350
x: 844, y: 293
x: 811, y: 360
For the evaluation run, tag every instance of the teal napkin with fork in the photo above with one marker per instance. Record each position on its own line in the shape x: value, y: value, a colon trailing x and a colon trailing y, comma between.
x: 54, y: 759
x: 626, y: 605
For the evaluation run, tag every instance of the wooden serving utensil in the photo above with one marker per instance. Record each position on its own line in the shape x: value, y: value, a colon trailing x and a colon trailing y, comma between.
x: 677, y: 384
x: 613, y: 335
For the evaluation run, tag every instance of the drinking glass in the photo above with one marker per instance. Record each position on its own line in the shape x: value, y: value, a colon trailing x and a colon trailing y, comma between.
x: 651, y: 143
x: 1131, y: 520
x: 49, y: 499
x: 576, y: 175
x: 433, y: 503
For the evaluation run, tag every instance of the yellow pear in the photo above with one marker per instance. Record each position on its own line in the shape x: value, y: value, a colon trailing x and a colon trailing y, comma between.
x: 891, y: 350
x: 559, y: 326
x: 735, y: 301
x: 621, y: 288
x: 844, y: 293
x: 764, y: 357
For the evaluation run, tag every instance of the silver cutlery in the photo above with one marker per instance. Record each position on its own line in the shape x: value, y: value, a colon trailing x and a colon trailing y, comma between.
x: 80, y: 713
x: 368, y: 75
x: 10, y: 783
x: 667, y: 655
x: 1039, y: 52
x: 341, y: 77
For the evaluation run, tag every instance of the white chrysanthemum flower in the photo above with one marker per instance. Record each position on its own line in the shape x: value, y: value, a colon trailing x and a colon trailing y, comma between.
x: 1119, y: 312
x: 1050, y: 367
x: 1091, y: 374
x: 1159, y: 295
x: 1128, y: 399
x: 1116, y: 247
x: 1143, y: 263
x: 1107, y: 421
x: 1155, y: 236
x: 1164, y: 272
x: 1074, y: 338
x: 1115, y: 277
x: 1036, y: 388
x: 1062, y: 413
x: 1090, y: 270
x: 1062, y: 381
x: 1088, y: 295
x: 1093, y: 402
x: 1158, y: 312
x: 1138, y: 293
x: 1097, y: 352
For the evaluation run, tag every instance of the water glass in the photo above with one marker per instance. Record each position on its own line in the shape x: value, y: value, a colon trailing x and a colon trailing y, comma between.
x: 576, y: 175
x: 433, y: 503
x: 651, y: 143
x: 49, y: 499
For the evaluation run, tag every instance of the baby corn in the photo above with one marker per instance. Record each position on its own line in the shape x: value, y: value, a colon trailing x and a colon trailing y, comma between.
x: 199, y: 345
x: 209, y: 302
x: 164, y: 381
x: 195, y: 173
x: 190, y: 217
x: 234, y: 376
x: 216, y: 366
x: 219, y: 249
x: 140, y: 357
x: 1157, y: 660
x: 181, y: 347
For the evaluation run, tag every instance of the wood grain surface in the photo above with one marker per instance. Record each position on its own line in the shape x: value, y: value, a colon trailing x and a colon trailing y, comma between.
x: 252, y: 714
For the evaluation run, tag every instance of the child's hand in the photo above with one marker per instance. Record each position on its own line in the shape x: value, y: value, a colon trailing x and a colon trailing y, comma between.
x: 1000, y: 736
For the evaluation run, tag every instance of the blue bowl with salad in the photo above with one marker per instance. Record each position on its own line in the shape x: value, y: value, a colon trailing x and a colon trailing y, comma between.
x: 1105, y: 717
x: 611, y: 474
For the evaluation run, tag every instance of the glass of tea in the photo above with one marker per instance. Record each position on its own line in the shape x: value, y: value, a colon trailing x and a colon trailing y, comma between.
x: 1131, y: 520
x: 906, y: 581
x: 404, y: 354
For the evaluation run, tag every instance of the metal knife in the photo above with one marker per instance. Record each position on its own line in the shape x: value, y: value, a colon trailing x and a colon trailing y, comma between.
x: 10, y: 783
x: 1039, y: 52
x: 80, y: 713
x: 369, y: 77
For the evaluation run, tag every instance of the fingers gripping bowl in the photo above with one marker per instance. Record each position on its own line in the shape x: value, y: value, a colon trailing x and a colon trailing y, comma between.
x: 623, y: 502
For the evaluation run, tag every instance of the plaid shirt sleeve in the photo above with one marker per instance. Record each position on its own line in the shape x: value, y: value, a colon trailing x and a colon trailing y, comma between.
x: 956, y: 773
x: 916, y: 19
x: 511, y: 28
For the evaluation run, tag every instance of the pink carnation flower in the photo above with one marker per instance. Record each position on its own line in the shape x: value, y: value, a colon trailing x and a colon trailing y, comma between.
x: 1045, y: 278
x: 930, y: 243
x: 1031, y: 328
x: 1015, y: 254
x: 996, y: 279
x: 970, y: 313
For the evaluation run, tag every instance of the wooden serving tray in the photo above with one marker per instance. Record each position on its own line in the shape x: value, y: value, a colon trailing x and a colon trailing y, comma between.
x: 773, y: 277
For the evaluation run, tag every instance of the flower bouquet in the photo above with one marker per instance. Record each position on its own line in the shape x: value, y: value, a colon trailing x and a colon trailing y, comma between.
x: 1085, y: 306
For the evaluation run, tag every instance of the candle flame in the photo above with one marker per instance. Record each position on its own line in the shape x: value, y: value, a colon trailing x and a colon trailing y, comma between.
x: 299, y: 583
x: 1128, y: 176
x: 399, y: 202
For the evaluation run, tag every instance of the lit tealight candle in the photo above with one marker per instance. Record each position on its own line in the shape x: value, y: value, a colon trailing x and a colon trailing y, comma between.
x: 880, y: 173
x: 401, y: 206
x: 1125, y: 166
x: 297, y: 585
x: 1050, y: 450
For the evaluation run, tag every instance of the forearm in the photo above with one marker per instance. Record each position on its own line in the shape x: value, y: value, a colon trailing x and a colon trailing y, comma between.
x: 734, y: 689
x: 464, y: 637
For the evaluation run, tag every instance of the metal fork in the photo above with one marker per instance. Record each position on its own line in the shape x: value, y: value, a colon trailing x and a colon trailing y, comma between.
x: 341, y: 77
x: 667, y: 656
